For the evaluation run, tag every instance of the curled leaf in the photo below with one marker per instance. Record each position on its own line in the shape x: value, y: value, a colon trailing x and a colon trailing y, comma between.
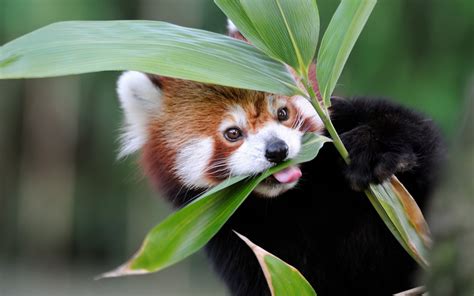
x: 282, y: 278
x: 401, y: 214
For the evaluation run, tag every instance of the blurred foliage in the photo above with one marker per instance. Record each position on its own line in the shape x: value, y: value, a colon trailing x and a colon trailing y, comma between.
x: 452, y: 223
x: 63, y: 196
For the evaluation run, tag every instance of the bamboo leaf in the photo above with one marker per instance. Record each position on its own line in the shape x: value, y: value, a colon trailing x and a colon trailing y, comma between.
x: 285, y: 30
x: 338, y: 41
x: 153, y: 47
x: 403, y: 217
x: 282, y: 278
x: 190, y: 228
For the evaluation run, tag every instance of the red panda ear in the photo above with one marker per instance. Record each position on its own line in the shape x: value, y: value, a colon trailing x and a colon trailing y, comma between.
x: 233, y: 32
x: 313, y: 80
x: 140, y: 98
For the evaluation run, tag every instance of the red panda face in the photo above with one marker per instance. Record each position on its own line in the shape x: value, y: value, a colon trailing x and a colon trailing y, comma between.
x: 197, y: 135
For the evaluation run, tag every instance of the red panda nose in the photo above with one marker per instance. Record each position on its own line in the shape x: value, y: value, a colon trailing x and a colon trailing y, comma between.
x: 276, y: 151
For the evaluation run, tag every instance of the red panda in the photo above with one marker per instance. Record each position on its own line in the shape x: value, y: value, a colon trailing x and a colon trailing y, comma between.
x: 194, y: 135
x: 233, y: 131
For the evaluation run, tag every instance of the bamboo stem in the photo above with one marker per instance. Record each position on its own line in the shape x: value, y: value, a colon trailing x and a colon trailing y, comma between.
x: 324, y: 115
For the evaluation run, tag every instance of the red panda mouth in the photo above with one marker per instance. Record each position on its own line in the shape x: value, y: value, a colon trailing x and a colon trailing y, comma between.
x: 289, y: 175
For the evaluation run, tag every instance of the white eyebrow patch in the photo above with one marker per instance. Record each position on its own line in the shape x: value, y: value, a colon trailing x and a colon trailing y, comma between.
x: 274, y: 103
x: 239, y: 118
x: 192, y: 161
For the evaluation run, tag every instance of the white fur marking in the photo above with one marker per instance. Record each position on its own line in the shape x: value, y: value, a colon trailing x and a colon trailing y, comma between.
x: 239, y: 119
x: 275, y: 103
x: 140, y: 99
x: 239, y: 115
x: 273, y: 190
x: 231, y: 27
x: 250, y: 158
x: 192, y: 161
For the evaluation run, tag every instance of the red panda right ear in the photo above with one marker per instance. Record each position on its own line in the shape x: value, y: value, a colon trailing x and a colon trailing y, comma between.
x: 233, y: 32
x: 140, y: 99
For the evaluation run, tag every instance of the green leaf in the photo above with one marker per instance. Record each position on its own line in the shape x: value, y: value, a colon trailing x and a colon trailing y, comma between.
x: 282, y: 278
x: 403, y: 217
x: 286, y: 30
x: 153, y: 47
x: 338, y: 41
x: 190, y: 228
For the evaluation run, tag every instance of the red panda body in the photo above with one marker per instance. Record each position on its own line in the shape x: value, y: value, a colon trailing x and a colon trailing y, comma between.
x: 190, y: 134
x: 193, y: 135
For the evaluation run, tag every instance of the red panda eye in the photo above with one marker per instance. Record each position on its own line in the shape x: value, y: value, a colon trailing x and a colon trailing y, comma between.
x: 282, y: 114
x: 233, y: 134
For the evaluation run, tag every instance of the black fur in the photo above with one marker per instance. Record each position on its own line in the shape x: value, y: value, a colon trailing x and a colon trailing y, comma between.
x: 325, y: 227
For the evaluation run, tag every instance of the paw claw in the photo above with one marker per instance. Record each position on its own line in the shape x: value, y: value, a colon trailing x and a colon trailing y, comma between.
x: 373, y: 158
x: 366, y: 169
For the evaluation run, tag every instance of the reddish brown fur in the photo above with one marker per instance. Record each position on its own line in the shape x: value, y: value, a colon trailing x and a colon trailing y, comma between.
x: 191, y: 110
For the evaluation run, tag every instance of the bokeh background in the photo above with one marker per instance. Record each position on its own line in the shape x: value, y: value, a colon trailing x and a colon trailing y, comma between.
x: 69, y: 210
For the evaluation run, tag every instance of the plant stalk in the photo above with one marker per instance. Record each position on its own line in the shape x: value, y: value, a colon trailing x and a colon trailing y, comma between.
x: 324, y: 115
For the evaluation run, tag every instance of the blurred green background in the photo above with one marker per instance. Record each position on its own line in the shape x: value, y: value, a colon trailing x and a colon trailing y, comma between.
x: 69, y: 210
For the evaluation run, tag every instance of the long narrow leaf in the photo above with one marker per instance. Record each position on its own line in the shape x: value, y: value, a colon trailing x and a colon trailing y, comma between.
x: 282, y: 278
x: 189, y: 229
x: 338, y: 41
x: 285, y: 30
x: 154, y: 47
x: 403, y: 217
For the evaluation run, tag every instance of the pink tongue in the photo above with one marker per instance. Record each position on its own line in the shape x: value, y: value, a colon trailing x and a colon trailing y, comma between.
x: 288, y: 175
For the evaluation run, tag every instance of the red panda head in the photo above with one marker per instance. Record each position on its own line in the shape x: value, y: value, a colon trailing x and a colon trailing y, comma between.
x: 194, y: 135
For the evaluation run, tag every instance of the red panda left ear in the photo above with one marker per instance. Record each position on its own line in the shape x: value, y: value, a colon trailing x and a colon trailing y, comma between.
x: 313, y: 80
x: 140, y: 99
x: 233, y: 32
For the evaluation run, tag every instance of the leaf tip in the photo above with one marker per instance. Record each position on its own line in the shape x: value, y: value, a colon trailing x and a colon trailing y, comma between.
x: 245, y: 239
x: 123, y: 270
x: 259, y: 252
